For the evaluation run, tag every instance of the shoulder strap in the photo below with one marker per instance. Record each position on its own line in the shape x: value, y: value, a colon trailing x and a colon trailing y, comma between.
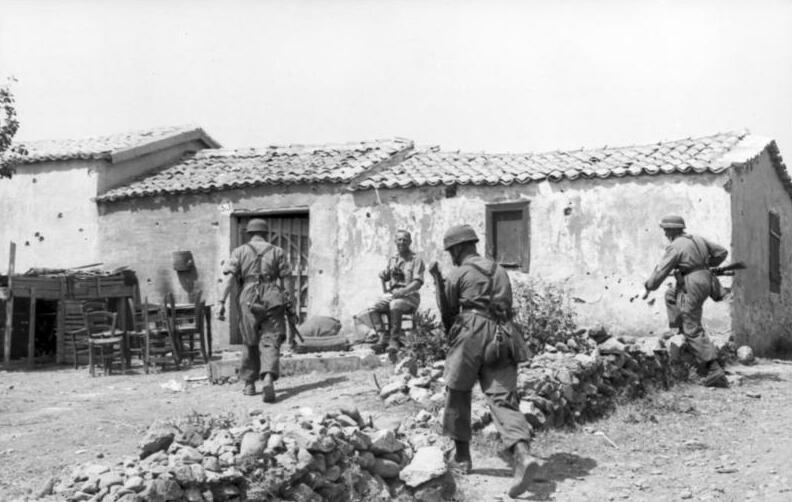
x: 259, y: 255
x: 696, y: 241
x: 488, y: 275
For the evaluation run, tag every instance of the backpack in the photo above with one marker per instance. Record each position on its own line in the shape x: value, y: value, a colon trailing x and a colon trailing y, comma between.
x: 268, y: 299
x: 508, y: 343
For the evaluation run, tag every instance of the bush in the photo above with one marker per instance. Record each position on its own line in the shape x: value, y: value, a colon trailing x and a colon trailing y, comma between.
x: 544, y: 314
x: 426, y: 342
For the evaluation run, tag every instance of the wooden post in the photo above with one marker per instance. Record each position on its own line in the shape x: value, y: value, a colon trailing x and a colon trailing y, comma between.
x: 32, y: 329
x: 9, y: 326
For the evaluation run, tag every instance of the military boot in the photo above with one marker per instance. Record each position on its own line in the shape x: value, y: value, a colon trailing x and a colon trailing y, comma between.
x: 525, y: 467
x: 268, y: 391
x: 716, y: 377
x: 382, y: 342
x: 462, y: 463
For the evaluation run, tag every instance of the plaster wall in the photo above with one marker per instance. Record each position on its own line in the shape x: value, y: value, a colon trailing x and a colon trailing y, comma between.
x: 47, y: 210
x: 598, y: 238
x: 761, y: 317
x: 143, y: 234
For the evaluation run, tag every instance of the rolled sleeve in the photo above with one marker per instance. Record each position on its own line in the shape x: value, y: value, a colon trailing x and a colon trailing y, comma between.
x: 717, y: 253
x: 234, y: 263
x: 418, y: 269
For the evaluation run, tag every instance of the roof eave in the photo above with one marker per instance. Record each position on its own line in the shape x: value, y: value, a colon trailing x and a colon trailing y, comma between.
x: 162, y: 144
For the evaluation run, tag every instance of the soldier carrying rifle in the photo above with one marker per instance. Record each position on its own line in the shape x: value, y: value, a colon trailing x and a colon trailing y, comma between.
x: 689, y: 258
x: 475, y: 303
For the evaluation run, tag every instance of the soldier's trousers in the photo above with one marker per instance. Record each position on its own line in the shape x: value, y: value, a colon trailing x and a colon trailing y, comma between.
x: 263, y: 354
x: 260, y: 359
x: 464, y: 366
x: 684, y: 307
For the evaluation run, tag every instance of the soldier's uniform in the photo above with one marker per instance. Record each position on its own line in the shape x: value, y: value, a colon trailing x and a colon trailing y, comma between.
x: 689, y: 257
x: 484, y: 347
x: 400, y: 271
x: 467, y: 291
x: 262, y: 339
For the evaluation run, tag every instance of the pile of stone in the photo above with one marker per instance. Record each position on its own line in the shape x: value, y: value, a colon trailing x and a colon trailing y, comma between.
x: 303, y: 458
x: 423, y: 385
x: 560, y: 388
x: 574, y: 381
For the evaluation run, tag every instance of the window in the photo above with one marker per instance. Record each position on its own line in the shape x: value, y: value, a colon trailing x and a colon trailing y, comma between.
x: 775, y: 253
x: 508, y: 234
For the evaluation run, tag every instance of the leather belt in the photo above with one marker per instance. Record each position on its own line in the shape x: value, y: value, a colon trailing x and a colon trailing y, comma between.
x: 469, y: 310
x: 694, y: 269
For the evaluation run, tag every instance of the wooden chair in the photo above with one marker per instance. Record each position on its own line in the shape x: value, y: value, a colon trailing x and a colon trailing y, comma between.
x: 160, y: 347
x: 76, y: 335
x: 187, y: 328
x: 104, y: 340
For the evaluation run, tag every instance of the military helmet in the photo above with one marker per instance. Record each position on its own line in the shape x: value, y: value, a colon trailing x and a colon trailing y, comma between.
x: 672, y: 221
x: 257, y: 225
x: 457, y: 235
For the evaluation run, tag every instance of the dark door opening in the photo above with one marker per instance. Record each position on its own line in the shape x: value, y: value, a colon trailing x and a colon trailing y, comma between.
x: 290, y: 232
x: 45, y: 337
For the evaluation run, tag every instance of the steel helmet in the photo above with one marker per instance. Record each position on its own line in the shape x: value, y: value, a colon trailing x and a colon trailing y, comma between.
x: 672, y: 221
x: 457, y: 235
x: 257, y: 225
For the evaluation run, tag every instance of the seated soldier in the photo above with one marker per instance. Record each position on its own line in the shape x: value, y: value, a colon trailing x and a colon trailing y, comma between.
x: 402, y: 278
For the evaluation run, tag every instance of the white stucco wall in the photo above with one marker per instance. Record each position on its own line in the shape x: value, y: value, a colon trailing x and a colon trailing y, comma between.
x: 52, y: 199
x: 600, y: 239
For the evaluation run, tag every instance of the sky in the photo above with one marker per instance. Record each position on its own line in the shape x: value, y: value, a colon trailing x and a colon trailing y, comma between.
x: 498, y: 76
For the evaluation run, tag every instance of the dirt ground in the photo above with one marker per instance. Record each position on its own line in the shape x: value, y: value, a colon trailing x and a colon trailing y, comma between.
x: 688, y: 443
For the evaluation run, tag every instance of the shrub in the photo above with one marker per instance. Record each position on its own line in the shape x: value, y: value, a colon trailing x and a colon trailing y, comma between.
x: 426, y: 342
x: 544, y: 313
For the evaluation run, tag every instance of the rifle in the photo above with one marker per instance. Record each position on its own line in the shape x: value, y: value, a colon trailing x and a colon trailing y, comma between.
x: 291, y: 318
x: 446, y: 315
x: 728, y: 269
x: 721, y: 271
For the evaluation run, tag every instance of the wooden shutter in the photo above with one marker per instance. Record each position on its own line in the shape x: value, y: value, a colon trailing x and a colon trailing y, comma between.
x: 775, y: 253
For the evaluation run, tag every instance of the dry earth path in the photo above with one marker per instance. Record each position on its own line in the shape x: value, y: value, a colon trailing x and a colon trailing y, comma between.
x: 689, y: 443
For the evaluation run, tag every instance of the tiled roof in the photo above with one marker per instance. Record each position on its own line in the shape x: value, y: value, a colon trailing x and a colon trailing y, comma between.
x: 223, y: 169
x: 103, y: 147
x: 430, y: 167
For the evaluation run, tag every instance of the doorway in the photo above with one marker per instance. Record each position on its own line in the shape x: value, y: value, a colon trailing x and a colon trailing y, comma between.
x: 289, y: 230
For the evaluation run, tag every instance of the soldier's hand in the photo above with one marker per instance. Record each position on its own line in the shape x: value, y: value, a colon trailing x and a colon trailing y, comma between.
x: 221, y: 313
x: 397, y: 293
x: 384, y: 275
x: 645, y: 295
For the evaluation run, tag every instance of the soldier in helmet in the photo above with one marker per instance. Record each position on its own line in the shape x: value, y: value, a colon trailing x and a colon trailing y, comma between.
x: 404, y: 274
x: 478, y: 293
x: 690, y: 257
x: 254, y: 265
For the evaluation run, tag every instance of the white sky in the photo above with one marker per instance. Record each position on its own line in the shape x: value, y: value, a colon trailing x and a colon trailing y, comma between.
x: 471, y: 75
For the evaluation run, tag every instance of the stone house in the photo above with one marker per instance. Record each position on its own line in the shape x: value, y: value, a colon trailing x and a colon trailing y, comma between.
x: 584, y: 219
x: 49, y: 206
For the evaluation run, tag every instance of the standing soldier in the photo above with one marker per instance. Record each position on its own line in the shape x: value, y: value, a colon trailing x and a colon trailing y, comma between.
x: 484, y: 346
x: 258, y: 266
x: 690, y: 257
